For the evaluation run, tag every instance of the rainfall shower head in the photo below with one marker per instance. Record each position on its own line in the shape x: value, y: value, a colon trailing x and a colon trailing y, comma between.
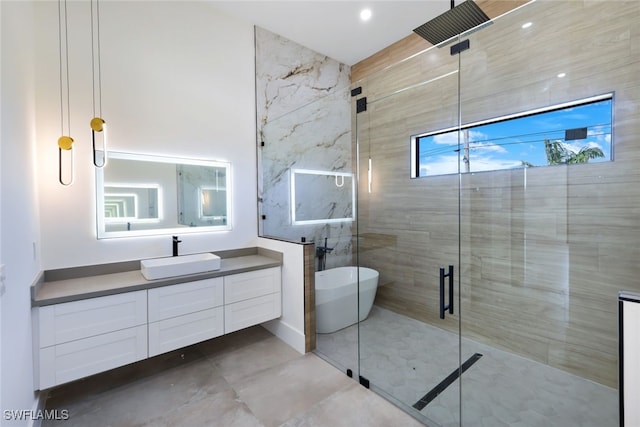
x: 455, y: 21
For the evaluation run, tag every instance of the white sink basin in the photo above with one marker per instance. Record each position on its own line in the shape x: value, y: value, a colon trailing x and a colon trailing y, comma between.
x: 160, y: 268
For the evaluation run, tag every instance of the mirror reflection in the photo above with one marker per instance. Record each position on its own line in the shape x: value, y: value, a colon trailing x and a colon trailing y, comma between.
x: 202, y: 196
x: 146, y: 195
x: 133, y: 204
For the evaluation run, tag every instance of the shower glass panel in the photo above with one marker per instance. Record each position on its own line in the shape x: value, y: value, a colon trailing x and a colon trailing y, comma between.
x: 540, y: 249
x: 408, y: 230
x: 546, y: 246
x: 307, y: 191
x: 306, y: 186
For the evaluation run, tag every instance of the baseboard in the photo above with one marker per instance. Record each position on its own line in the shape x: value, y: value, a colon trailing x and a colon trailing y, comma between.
x: 286, y: 333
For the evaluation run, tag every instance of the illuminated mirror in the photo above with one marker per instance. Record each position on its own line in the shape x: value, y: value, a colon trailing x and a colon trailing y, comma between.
x: 139, y: 195
x: 319, y: 197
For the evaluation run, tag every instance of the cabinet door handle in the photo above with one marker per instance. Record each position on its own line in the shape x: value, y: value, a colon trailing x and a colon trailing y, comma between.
x: 443, y: 307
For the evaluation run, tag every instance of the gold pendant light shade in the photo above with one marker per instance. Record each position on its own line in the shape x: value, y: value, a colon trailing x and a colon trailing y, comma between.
x: 65, y: 143
x: 97, y: 124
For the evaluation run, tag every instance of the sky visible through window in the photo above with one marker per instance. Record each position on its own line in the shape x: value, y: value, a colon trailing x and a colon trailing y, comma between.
x: 518, y: 142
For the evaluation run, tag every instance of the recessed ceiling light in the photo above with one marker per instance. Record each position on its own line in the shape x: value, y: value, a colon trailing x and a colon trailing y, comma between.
x: 365, y: 14
x: 561, y: 75
x: 527, y: 25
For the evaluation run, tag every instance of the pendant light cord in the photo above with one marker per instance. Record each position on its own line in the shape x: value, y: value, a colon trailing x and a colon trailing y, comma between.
x: 93, y: 66
x: 93, y: 60
x: 66, y: 47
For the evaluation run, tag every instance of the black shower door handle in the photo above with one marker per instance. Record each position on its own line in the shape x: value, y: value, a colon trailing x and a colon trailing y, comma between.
x: 449, y: 306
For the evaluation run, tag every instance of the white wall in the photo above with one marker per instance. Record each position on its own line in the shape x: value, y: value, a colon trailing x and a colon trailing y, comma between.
x: 177, y: 79
x: 19, y: 211
x: 290, y: 326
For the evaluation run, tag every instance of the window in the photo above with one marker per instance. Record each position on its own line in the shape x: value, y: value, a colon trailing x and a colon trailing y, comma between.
x: 577, y: 132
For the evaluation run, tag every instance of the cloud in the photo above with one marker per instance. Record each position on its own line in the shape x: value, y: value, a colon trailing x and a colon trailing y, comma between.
x: 443, y: 165
x: 487, y: 147
x: 489, y: 164
x: 576, y: 147
x: 602, y: 134
x: 449, y: 138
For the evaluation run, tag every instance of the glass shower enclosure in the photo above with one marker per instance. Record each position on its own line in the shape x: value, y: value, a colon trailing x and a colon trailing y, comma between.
x: 497, y: 198
x: 496, y: 191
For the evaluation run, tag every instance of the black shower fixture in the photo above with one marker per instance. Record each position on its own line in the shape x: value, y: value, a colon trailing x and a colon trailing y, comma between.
x: 455, y: 21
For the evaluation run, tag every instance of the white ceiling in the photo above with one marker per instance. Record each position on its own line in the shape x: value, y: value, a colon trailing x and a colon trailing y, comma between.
x: 333, y: 27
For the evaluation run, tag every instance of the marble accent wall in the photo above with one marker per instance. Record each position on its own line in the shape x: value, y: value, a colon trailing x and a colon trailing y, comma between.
x: 304, y: 119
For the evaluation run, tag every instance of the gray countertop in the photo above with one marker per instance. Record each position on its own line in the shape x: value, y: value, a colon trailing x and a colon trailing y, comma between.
x: 48, y: 292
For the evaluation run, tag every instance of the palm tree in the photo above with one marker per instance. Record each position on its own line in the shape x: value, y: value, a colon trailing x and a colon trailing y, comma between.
x: 585, y: 154
x: 558, y: 153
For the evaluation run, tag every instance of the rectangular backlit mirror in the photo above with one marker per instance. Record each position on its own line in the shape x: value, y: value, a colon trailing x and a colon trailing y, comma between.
x: 320, y: 197
x: 141, y: 195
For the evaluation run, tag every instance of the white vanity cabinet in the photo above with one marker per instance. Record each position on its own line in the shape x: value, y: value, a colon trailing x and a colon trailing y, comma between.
x: 185, y: 314
x: 251, y: 298
x: 80, y: 338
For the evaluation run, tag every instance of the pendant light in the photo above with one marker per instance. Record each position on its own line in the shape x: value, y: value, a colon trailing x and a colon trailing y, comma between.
x: 65, y: 142
x: 97, y: 124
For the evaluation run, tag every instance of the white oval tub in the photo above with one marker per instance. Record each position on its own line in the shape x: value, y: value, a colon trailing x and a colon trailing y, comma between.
x: 336, y: 297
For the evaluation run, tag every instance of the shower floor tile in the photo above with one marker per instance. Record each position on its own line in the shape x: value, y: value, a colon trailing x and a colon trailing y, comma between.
x: 406, y: 358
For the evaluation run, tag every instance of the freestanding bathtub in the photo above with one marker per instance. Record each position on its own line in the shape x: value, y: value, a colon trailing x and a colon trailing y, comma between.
x: 337, y: 297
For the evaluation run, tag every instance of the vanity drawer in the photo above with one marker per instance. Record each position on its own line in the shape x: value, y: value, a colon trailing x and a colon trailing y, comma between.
x: 177, y: 300
x: 251, y: 312
x: 181, y: 331
x: 60, y: 323
x: 70, y: 361
x: 243, y: 286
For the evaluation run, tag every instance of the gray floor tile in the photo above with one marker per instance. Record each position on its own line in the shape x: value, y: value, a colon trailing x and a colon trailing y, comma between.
x: 284, y: 391
x: 353, y: 406
x: 246, y: 379
x: 218, y: 410
x: 139, y: 402
x: 240, y: 363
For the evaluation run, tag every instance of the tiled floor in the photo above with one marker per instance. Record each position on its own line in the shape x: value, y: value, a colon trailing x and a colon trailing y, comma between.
x: 407, y: 358
x: 248, y: 378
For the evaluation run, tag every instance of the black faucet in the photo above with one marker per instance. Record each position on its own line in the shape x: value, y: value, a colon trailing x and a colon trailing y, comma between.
x: 321, y: 252
x: 175, y: 245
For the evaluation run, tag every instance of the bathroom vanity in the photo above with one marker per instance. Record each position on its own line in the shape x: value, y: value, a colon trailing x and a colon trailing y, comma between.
x: 85, y: 324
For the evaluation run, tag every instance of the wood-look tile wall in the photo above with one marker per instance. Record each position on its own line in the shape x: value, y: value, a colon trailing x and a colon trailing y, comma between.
x: 309, y: 297
x: 413, y: 43
x: 545, y: 250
